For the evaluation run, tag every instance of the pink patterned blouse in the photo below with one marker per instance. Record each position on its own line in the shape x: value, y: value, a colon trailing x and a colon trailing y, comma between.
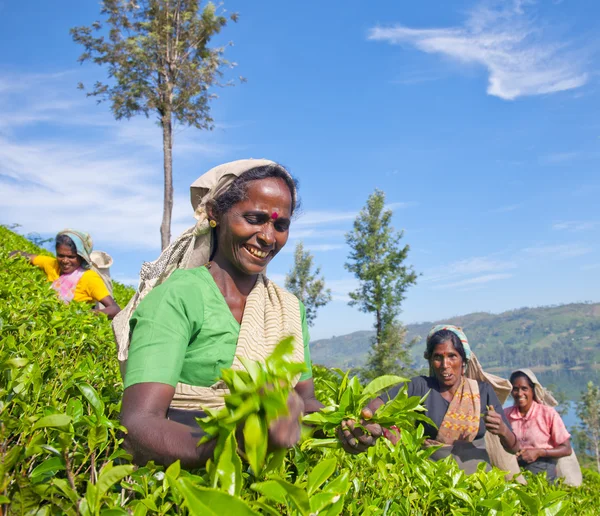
x: 542, y: 427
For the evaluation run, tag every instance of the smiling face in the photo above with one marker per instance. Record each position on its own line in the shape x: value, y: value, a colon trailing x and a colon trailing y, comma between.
x: 522, y: 394
x: 68, y: 261
x: 249, y: 235
x: 447, y: 364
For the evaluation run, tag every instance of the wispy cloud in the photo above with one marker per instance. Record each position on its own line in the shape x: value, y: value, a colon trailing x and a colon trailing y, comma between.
x: 323, y: 217
x: 103, y: 176
x: 313, y: 248
x: 341, y: 288
x: 581, y: 225
x: 558, y: 251
x: 468, y: 267
x: 314, y: 218
x: 479, y: 280
x: 310, y: 233
x: 507, y: 41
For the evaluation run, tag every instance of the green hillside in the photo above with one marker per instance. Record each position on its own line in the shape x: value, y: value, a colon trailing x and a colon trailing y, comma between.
x: 566, y: 336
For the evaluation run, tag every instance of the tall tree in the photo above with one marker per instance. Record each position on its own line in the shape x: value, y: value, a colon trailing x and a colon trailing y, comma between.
x: 377, y: 260
x: 159, y: 62
x: 305, y: 284
x: 588, y: 411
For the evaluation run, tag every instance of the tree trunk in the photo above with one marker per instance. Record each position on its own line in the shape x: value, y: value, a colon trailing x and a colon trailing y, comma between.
x: 379, y: 328
x: 165, y: 227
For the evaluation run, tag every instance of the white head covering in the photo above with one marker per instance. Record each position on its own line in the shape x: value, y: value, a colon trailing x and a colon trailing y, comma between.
x: 190, y: 249
x: 542, y: 395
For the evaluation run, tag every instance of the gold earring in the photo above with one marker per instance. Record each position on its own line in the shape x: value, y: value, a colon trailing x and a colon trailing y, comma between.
x: 213, y: 223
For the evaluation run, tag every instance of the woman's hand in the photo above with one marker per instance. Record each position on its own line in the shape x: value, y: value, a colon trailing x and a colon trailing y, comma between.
x: 285, y: 431
x: 12, y: 254
x: 530, y: 455
x: 111, y: 308
x: 494, y: 423
x: 353, y: 438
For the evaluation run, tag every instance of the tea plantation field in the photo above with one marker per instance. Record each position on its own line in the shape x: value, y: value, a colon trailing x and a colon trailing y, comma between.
x: 60, y: 437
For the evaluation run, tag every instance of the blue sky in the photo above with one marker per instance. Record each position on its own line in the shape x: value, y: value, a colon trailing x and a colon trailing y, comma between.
x: 478, y: 119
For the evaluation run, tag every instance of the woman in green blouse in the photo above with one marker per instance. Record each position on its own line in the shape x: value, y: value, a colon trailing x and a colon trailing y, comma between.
x: 208, y: 303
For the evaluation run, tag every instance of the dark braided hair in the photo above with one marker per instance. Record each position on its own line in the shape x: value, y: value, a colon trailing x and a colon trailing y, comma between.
x: 521, y: 374
x: 238, y: 190
x: 442, y: 336
x: 67, y: 241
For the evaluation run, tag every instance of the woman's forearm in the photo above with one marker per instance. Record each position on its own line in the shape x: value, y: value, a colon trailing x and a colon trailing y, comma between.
x: 563, y: 450
x: 509, y: 440
x: 165, y: 441
x: 30, y: 257
x: 111, y: 308
x: 110, y: 311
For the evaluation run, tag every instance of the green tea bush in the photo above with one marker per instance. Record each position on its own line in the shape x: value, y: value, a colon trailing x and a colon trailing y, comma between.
x: 60, y: 436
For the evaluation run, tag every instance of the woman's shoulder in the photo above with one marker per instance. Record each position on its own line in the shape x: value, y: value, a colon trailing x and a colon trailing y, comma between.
x: 423, y: 383
x: 485, y: 388
x: 180, y: 279
x: 546, y: 410
x: 90, y: 274
x: 42, y: 259
x: 182, y: 287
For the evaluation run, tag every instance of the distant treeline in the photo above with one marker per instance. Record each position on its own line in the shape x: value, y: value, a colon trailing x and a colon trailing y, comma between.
x: 566, y: 336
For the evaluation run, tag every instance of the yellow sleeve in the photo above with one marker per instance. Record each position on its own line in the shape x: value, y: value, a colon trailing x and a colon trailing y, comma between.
x: 91, y: 287
x: 49, y: 265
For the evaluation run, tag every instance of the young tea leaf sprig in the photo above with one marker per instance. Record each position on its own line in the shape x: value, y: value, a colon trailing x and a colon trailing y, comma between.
x: 257, y: 397
x: 351, y: 398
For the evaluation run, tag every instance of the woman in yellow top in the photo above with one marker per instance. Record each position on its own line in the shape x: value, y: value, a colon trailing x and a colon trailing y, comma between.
x: 70, y: 271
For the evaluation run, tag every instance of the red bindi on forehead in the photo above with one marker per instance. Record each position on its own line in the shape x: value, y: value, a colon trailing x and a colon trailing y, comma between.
x: 274, y: 215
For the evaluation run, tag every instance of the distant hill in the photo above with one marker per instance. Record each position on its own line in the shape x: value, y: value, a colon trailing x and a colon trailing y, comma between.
x: 566, y: 336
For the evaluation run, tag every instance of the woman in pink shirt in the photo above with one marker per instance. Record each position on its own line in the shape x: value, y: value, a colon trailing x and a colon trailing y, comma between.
x: 542, y: 435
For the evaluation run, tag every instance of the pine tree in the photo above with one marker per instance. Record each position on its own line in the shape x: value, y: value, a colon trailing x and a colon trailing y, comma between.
x: 159, y: 62
x: 306, y: 285
x: 377, y: 260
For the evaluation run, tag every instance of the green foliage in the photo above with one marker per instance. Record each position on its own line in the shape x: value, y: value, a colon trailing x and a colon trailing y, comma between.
x: 306, y: 285
x: 560, y: 337
x: 377, y: 260
x: 588, y: 433
x: 158, y: 57
x: 345, y: 400
x: 159, y: 62
x: 60, y: 392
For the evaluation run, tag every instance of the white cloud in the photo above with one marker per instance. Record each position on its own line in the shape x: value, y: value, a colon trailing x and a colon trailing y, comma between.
x: 277, y: 278
x: 290, y: 247
x: 299, y: 234
x: 53, y: 186
x: 582, y: 225
x: 479, y: 280
x: 323, y: 217
x: 340, y: 288
x: 467, y: 267
x: 558, y: 251
x: 505, y: 40
x: 320, y: 218
x: 105, y: 177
